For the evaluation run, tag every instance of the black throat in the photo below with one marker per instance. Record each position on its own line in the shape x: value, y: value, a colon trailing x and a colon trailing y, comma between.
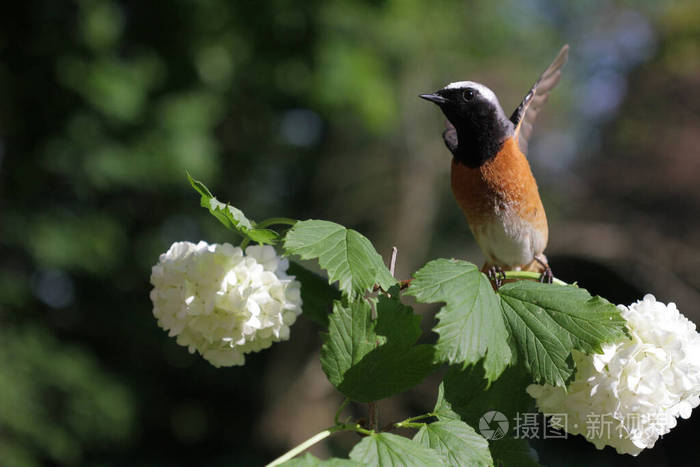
x: 479, y: 140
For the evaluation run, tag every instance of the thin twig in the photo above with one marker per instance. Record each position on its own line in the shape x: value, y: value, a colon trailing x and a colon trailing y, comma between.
x: 315, y: 439
x: 413, y: 419
x: 340, y: 410
x: 372, y: 406
x: 530, y: 275
x: 373, y: 419
x: 275, y: 221
x: 302, y: 447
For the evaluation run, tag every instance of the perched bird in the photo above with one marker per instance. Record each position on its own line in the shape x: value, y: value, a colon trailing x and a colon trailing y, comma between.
x: 491, y: 178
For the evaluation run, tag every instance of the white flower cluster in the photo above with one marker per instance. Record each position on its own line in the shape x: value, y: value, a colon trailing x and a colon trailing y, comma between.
x: 224, y: 303
x: 632, y: 394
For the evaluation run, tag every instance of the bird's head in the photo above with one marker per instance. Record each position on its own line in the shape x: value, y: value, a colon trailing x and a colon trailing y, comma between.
x: 474, y: 111
x: 467, y: 104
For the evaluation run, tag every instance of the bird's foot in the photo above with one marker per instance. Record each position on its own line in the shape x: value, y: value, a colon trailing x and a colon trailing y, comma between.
x: 546, y: 277
x: 496, y: 275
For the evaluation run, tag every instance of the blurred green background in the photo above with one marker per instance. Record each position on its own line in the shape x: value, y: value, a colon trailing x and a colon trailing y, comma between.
x: 304, y: 109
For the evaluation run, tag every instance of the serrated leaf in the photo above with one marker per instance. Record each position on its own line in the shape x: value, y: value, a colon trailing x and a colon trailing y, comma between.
x: 316, y: 293
x: 310, y: 461
x: 350, y: 338
x: 470, y: 325
x: 443, y: 407
x: 457, y: 441
x: 367, y: 359
x: 232, y: 218
x: 386, y: 449
x: 547, y: 322
x: 345, y: 254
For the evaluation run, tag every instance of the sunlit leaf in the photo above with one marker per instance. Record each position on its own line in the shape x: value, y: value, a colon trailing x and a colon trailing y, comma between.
x: 457, y: 441
x: 548, y: 321
x: 310, y: 461
x: 386, y: 449
x: 232, y: 218
x: 345, y: 254
x: 470, y: 324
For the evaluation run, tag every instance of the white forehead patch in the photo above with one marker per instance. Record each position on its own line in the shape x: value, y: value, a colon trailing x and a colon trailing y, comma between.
x: 483, y: 90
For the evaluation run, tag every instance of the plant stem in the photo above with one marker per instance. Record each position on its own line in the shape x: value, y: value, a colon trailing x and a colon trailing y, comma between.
x: 339, y: 411
x: 315, y: 439
x: 305, y: 445
x: 407, y: 422
x: 530, y: 275
x: 392, y: 264
x: 373, y: 420
x: 373, y: 408
x: 275, y: 220
x: 417, y: 426
x: 244, y: 243
x: 358, y: 428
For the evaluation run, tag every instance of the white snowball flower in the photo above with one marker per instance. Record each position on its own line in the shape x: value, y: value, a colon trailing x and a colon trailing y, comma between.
x: 632, y: 393
x: 224, y: 303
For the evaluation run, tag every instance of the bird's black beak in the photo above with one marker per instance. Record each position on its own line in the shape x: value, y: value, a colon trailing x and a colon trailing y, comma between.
x: 436, y: 98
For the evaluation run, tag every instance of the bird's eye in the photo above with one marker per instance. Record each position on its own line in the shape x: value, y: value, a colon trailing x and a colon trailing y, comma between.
x: 468, y: 94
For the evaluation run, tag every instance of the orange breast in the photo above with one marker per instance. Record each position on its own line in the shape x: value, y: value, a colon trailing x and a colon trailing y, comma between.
x: 503, y: 183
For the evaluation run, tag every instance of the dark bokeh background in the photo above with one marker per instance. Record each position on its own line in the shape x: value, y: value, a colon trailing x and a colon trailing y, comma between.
x: 304, y: 109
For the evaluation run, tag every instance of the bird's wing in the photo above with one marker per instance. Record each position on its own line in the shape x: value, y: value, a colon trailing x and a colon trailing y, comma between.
x: 450, y: 136
x: 524, y: 116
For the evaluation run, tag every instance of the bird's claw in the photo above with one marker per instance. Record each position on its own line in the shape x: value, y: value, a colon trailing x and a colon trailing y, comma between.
x: 496, y: 275
x: 547, y: 277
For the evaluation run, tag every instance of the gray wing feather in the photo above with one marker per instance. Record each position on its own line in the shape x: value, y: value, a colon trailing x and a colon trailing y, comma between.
x: 450, y: 136
x: 524, y: 116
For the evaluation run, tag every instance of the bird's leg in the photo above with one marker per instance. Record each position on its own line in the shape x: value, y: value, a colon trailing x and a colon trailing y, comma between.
x: 496, y: 275
x: 546, y: 277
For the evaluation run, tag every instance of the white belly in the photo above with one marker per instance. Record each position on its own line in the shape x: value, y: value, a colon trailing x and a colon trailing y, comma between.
x: 507, y: 240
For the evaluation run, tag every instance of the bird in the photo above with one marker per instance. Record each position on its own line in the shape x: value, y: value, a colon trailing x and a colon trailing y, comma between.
x: 491, y: 178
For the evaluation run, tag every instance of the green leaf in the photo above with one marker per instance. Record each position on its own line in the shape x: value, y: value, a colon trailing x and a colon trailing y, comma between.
x: 346, y: 254
x: 457, y: 441
x: 470, y: 324
x: 386, y: 449
x: 511, y: 452
x: 465, y: 393
x: 231, y: 217
x: 443, y: 407
x: 310, y: 461
x: 316, y: 293
x: 367, y: 359
x: 350, y: 338
x: 548, y: 321
x: 266, y: 236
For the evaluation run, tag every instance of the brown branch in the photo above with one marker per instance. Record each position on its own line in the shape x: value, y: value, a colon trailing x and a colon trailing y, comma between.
x: 373, y: 416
